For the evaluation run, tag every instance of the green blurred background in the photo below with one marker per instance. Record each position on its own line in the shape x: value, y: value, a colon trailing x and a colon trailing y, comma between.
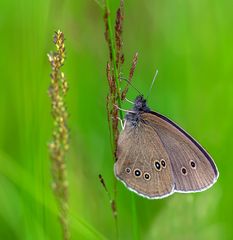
x: 189, y: 42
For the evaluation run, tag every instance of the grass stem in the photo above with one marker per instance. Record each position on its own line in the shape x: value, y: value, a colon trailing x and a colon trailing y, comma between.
x: 113, y: 52
x: 136, y: 235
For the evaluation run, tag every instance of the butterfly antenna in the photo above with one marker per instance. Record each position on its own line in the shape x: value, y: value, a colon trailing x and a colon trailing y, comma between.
x: 153, y: 81
x: 131, y: 84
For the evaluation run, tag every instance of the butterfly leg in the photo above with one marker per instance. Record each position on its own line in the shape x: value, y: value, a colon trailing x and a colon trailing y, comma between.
x: 122, y: 123
x: 129, y: 101
x: 124, y: 110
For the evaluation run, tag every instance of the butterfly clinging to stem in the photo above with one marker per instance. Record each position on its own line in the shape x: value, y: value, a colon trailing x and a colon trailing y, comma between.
x: 155, y: 157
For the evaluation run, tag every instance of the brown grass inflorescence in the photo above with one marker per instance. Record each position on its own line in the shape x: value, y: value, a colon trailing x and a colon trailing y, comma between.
x: 131, y: 72
x: 113, y: 71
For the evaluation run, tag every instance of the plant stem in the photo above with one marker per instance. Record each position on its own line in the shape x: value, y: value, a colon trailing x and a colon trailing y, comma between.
x: 113, y: 49
x: 136, y: 234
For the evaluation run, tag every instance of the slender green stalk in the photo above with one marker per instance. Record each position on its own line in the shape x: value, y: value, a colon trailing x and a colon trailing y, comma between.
x: 136, y: 234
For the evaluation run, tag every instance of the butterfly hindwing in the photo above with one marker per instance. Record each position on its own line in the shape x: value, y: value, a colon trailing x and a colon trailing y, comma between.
x: 139, y: 149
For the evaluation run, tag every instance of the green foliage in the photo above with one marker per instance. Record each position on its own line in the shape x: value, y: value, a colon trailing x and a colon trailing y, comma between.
x: 190, y: 42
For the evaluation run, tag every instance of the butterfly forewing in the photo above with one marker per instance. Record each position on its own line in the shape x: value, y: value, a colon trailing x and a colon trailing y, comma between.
x: 193, y: 169
x: 142, y: 162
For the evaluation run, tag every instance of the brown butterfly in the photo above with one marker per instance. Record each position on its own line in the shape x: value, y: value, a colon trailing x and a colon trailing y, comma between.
x: 155, y: 157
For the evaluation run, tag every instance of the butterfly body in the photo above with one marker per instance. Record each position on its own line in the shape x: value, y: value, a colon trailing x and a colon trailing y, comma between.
x: 156, y: 158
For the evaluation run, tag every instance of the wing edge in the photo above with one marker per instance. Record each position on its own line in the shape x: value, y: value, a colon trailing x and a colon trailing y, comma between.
x: 141, y: 194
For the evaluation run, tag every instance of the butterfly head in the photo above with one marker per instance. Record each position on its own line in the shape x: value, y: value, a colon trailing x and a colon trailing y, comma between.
x: 140, y: 104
